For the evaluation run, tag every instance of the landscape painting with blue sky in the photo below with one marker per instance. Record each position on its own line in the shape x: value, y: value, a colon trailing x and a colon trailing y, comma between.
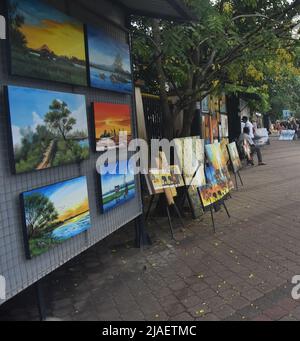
x: 118, y: 188
x: 109, y: 62
x: 48, y: 128
x: 55, y: 213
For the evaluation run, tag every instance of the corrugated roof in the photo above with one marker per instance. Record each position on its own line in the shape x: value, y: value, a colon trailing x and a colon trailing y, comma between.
x: 165, y: 9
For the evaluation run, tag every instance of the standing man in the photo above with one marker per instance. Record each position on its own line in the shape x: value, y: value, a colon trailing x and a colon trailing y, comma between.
x: 247, y: 124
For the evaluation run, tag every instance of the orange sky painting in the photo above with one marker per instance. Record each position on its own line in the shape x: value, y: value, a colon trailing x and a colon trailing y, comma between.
x: 64, y: 39
x: 112, y: 116
x: 75, y: 211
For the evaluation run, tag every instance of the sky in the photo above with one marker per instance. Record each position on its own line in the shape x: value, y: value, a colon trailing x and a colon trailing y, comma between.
x: 103, y: 49
x: 69, y: 197
x: 109, y: 181
x: 46, y: 25
x: 111, y: 116
x: 28, y: 107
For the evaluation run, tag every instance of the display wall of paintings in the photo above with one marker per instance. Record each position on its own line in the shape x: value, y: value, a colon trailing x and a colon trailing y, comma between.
x: 54, y: 214
x: 234, y: 157
x: 48, y: 128
x: 214, y: 190
x: 45, y: 43
x: 109, y: 62
x: 118, y: 188
x: 111, y: 121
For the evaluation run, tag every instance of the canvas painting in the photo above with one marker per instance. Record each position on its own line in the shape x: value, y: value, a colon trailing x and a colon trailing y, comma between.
x: 45, y: 43
x: 205, y: 105
x: 234, y: 157
x: 111, y: 121
x: 218, y: 160
x: 224, y: 125
x: 109, y: 62
x: 223, y: 104
x: 214, y: 190
x: 119, y: 188
x: 190, y: 158
x: 48, y: 128
x: 168, y: 178
x: 54, y: 214
x: 207, y: 133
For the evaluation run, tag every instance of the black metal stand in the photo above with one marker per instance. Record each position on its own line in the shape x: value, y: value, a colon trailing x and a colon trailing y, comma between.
x: 41, y: 305
x: 238, y: 175
x: 141, y: 236
x: 186, y: 190
x: 174, y: 206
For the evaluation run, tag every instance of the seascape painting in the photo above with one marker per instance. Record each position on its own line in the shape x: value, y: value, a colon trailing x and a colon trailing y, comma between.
x: 109, y: 62
x: 54, y: 214
x: 48, y: 128
x: 45, y: 43
x: 111, y: 121
x: 118, y: 188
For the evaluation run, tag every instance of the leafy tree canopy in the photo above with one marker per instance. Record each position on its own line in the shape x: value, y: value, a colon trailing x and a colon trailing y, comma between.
x: 240, y: 45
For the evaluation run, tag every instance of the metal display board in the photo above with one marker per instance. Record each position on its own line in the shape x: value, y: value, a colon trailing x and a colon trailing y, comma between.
x: 19, y: 272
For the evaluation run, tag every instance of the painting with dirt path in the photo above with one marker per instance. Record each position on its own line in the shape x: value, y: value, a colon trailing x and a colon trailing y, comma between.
x: 48, y: 128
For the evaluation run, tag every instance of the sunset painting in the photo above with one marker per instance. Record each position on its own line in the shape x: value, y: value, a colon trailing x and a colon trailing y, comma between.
x: 111, y: 122
x: 109, y: 62
x: 54, y: 214
x: 45, y: 43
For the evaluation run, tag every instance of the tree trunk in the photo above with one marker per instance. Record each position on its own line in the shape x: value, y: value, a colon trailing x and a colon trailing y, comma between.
x: 162, y: 80
x: 188, y: 118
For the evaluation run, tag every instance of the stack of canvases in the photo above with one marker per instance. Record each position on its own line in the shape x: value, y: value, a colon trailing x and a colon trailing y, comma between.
x: 50, y: 128
x: 204, y: 170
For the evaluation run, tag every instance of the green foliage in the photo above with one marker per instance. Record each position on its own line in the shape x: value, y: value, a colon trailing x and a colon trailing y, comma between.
x: 235, y: 42
x: 59, y: 119
x: 40, y: 214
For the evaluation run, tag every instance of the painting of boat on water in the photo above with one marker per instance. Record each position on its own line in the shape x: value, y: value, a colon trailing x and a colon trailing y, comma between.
x: 48, y: 128
x: 117, y: 186
x: 45, y: 43
x: 109, y: 62
x: 54, y: 214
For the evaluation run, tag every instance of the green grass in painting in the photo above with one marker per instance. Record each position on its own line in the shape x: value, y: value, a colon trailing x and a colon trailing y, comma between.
x: 29, y: 65
x: 115, y: 196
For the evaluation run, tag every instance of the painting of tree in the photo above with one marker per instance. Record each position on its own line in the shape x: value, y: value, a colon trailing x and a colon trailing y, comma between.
x: 54, y: 214
x: 48, y: 129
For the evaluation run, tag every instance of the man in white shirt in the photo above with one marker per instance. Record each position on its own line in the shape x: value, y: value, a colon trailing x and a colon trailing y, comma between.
x: 247, y: 124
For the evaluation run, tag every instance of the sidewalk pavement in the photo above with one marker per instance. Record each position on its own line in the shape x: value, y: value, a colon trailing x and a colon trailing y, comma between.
x: 243, y: 272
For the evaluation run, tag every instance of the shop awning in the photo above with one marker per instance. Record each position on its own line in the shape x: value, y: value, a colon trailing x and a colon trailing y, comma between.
x: 164, y: 9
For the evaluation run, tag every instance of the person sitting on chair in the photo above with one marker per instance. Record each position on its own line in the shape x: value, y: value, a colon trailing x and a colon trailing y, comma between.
x: 245, y: 136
